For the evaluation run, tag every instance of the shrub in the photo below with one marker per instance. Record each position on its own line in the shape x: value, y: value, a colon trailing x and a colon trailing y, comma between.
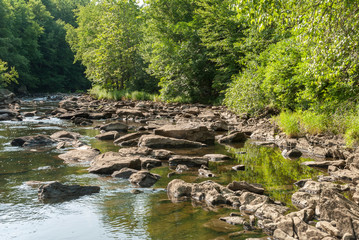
x: 313, y: 123
x: 288, y: 122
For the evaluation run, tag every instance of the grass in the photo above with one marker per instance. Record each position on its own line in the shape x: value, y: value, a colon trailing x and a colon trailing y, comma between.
x: 289, y: 123
x: 101, y: 93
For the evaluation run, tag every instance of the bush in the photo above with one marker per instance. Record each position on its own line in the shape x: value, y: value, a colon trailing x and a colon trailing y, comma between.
x: 313, y: 123
x: 352, y: 132
x: 102, y: 93
x: 288, y: 122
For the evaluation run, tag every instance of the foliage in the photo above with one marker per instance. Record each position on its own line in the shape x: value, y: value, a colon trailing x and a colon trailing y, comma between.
x: 7, y: 76
x: 289, y: 123
x: 314, y: 123
x: 102, y: 93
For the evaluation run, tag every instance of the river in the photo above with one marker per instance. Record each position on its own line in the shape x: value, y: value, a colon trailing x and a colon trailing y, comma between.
x: 115, y: 212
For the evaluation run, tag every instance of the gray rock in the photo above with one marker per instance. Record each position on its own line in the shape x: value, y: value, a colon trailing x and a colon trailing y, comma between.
x: 293, y: 153
x: 144, y: 179
x: 155, y: 141
x: 191, y: 132
x: 181, y: 168
x: 80, y: 155
x: 205, y: 173
x: 33, y: 141
x: 149, y: 163
x: 125, y: 112
x: 235, y: 137
x: 234, y: 220
x: 65, y: 134
x: 235, y: 186
x: 217, y: 157
x: 239, y: 168
x: 55, y: 191
x: 109, y: 162
x: 112, y: 135
x: 130, y: 136
x: 124, y: 173
x: 115, y: 126
x: 188, y: 161
x: 324, y: 164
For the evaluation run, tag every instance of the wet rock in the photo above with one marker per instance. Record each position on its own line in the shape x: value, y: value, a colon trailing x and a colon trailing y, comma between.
x: 124, y: 173
x: 115, y: 126
x: 55, y: 191
x: 130, y: 136
x: 80, y: 155
x: 82, y: 121
x: 136, y: 191
x: 29, y: 114
x: 239, y: 168
x: 33, y: 141
x: 188, y: 161
x: 155, y: 141
x: 293, y: 153
x: 236, y: 186
x: 65, y: 134
x: 37, y: 184
x: 112, y: 135
x: 235, y: 137
x: 125, y: 112
x: 204, y: 172
x: 109, y: 162
x: 129, y: 143
x: 217, y: 157
x: 191, y: 132
x: 71, y: 115
x: 144, y: 179
x: 324, y: 164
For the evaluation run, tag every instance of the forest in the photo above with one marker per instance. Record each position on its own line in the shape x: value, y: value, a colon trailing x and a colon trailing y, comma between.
x: 298, y: 58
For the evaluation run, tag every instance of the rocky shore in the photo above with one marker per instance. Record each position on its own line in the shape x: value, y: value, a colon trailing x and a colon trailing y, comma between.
x: 327, y: 208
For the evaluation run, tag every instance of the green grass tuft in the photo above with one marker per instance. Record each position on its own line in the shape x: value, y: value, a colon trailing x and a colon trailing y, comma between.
x: 288, y: 122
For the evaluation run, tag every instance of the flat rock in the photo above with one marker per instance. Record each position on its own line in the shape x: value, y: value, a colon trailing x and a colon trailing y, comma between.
x: 217, y: 157
x: 236, y: 220
x: 124, y: 173
x: 130, y: 136
x: 65, y: 134
x: 188, y: 161
x: 155, y: 141
x: 149, y: 163
x: 144, y: 179
x: 242, y: 185
x: 112, y: 135
x: 121, y: 112
x: 324, y: 164
x: 55, y: 191
x: 191, y: 132
x: 115, y: 126
x: 100, y: 115
x: 109, y: 162
x: 80, y: 155
x: 235, y: 137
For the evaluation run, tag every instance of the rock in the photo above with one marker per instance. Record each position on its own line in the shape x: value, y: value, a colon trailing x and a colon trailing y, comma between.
x: 29, y: 114
x: 217, y: 157
x: 112, y: 135
x: 239, y: 168
x: 82, y: 121
x: 303, y: 199
x: 136, y: 191
x: 65, y: 134
x: 328, y: 228
x: 71, y: 115
x: 191, y: 132
x: 130, y: 136
x: 144, y: 179
x: 234, y: 220
x: 109, y: 162
x: 188, y: 161
x: 235, y: 137
x: 136, y: 151
x: 356, y: 195
x: 161, y: 154
x: 32, y: 141
x: 181, y: 168
x: 324, y: 164
x: 125, y: 112
x: 115, y: 126
x: 293, y: 153
x: 80, y: 155
x: 235, y: 186
x: 101, y: 115
x: 55, y: 191
x: 124, y: 173
x: 205, y: 173
x: 149, y: 163
x: 155, y: 141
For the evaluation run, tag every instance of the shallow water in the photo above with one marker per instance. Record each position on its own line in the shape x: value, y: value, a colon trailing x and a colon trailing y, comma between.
x: 116, y: 213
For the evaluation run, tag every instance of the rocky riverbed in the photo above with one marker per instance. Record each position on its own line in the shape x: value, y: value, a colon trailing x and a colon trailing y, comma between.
x: 150, y: 136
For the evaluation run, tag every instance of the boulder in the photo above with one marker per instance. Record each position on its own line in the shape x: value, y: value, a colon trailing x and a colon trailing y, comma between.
x: 144, y: 179
x: 234, y: 220
x: 188, y: 161
x: 125, y: 112
x: 236, y: 186
x: 235, y: 137
x: 149, y: 163
x: 129, y: 137
x: 181, y: 168
x: 112, y: 135
x: 115, y: 126
x: 204, y: 172
x: 109, y: 162
x: 324, y: 164
x: 100, y: 115
x: 155, y: 141
x: 80, y: 155
x: 124, y: 173
x: 55, y: 191
x: 70, y: 115
x: 65, y: 134
x: 239, y: 168
x: 32, y: 141
x: 293, y: 153
x: 217, y: 157
x: 191, y: 132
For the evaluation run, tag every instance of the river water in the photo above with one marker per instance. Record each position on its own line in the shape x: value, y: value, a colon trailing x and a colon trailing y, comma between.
x: 116, y: 213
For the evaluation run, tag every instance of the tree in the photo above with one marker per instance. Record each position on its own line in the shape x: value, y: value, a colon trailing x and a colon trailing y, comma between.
x: 7, y: 76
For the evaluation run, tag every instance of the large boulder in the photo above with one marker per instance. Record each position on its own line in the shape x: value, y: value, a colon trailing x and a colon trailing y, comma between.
x: 192, y: 132
x: 144, y: 179
x: 235, y: 137
x: 33, y: 141
x: 124, y: 173
x: 80, y: 155
x: 55, y: 191
x: 109, y: 162
x: 155, y: 141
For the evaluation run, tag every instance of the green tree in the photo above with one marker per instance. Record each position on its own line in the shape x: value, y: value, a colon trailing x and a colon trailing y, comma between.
x: 7, y: 76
